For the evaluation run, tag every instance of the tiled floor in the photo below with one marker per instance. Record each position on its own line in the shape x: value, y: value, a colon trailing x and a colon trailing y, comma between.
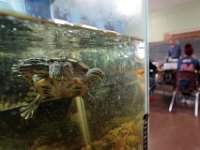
x: 178, y: 130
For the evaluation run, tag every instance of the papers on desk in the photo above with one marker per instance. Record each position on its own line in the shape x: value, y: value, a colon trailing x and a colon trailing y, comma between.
x: 172, y: 60
x: 170, y: 66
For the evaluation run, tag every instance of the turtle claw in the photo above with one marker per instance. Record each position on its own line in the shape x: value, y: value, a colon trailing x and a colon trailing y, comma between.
x: 28, y: 110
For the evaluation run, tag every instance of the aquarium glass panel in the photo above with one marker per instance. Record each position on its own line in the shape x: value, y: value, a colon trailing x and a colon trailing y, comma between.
x: 75, y: 82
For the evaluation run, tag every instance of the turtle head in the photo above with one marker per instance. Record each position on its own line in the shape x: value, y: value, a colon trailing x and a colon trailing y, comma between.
x: 93, y: 76
x: 60, y: 70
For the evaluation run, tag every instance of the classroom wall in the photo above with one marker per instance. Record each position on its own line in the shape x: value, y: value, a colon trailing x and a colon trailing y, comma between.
x: 184, y: 17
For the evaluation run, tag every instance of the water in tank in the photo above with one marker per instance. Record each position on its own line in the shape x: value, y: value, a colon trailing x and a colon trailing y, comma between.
x: 74, y: 81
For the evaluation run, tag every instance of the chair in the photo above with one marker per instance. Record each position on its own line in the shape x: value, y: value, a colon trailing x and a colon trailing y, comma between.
x: 186, y: 83
x: 152, y: 81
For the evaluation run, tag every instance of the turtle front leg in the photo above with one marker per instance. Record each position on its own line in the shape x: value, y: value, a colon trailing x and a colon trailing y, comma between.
x: 28, y: 110
x: 93, y: 76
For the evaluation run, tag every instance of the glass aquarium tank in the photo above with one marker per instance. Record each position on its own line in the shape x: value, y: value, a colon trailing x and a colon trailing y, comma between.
x: 74, y: 79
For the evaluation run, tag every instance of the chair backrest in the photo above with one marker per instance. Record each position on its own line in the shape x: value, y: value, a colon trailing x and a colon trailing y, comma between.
x: 186, y: 81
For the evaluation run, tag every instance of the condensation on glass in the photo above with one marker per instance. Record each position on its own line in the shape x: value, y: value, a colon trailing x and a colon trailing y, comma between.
x: 72, y: 74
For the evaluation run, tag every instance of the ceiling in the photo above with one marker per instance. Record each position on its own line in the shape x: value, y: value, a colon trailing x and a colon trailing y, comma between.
x: 158, y: 5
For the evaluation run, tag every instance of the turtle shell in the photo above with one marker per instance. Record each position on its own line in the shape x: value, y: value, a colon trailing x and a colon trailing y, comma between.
x: 78, y: 67
x: 41, y: 66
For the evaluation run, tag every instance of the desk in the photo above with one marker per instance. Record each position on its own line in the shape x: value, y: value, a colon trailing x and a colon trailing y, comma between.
x: 170, y: 66
x: 167, y: 73
x: 166, y: 77
x: 165, y: 80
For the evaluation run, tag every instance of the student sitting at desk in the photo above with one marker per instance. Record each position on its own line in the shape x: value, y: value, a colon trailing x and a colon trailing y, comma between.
x: 188, y: 62
x: 191, y: 64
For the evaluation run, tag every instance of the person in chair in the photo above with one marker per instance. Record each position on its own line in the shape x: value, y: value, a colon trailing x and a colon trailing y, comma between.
x: 188, y: 62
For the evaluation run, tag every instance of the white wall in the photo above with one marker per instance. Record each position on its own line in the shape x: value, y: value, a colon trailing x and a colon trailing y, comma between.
x: 185, y: 17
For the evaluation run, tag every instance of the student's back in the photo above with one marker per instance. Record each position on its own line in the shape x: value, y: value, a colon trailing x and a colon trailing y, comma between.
x: 188, y: 62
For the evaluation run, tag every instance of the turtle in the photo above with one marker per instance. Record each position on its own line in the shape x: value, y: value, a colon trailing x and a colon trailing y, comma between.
x: 55, y: 79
